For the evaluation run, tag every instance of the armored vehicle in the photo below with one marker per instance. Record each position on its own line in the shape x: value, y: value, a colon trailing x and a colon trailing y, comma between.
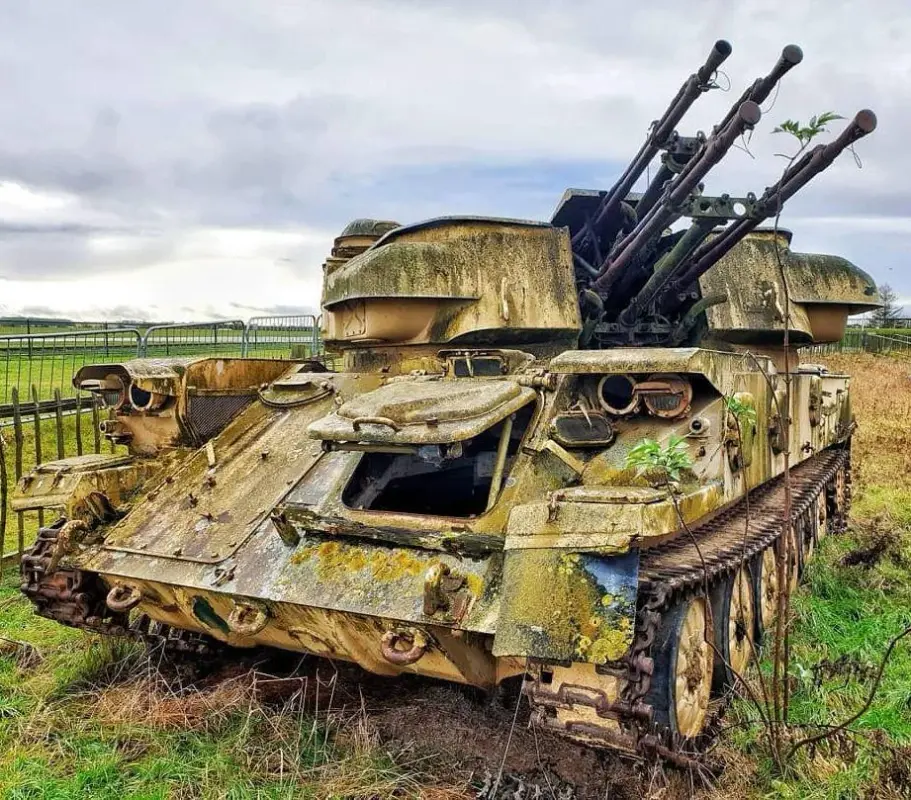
x: 550, y: 451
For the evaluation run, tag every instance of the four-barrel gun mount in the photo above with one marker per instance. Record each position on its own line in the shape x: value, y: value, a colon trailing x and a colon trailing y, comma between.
x: 638, y: 279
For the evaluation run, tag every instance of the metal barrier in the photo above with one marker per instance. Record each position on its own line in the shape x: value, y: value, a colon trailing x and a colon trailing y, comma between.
x: 272, y: 336
x: 222, y: 338
x: 47, y: 361
x: 858, y: 340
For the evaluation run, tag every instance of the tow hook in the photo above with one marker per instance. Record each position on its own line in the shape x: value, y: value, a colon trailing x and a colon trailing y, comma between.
x: 394, y: 641
x: 123, y: 598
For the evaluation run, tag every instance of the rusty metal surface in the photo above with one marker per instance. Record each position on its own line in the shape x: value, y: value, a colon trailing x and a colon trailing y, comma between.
x: 424, y: 510
x: 455, y: 279
x: 422, y: 411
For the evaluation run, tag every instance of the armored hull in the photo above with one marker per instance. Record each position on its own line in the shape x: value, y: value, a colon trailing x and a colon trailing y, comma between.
x: 530, y: 461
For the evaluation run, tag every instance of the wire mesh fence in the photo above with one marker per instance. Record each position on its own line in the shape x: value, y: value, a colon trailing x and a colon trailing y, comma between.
x: 47, y: 361
x: 858, y: 340
x: 222, y: 338
x: 268, y: 337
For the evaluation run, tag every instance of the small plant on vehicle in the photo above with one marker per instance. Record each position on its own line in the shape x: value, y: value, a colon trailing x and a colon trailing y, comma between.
x: 745, y: 414
x: 652, y: 459
x: 806, y: 133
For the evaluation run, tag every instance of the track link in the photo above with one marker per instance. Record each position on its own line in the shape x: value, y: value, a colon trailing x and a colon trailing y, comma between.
x: 77, y: 599
x: 671, y: 573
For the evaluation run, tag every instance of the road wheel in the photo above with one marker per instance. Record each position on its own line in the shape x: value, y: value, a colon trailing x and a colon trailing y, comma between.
x: 734, y: 618
x: 682, y: 678
x: 765, y: 583
x: 822, y: 515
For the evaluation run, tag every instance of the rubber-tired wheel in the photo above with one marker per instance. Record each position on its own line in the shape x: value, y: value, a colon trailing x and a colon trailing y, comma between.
x: 682, y: 679
x: 734, y: 620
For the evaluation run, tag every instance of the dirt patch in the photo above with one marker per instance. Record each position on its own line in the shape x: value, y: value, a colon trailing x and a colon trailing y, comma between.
x: 895, y: 775
x: 459, y: 736
x: 877, y: 538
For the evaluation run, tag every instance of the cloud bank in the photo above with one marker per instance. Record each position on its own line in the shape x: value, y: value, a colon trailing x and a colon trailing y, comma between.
x: 193, y: 160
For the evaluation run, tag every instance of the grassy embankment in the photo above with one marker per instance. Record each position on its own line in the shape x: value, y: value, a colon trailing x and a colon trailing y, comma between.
x: 82, y: 718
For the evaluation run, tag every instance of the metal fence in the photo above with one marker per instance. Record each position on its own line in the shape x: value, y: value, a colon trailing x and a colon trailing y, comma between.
x: 48, y: 361
x: 858, y: 340
x: 270, y: 336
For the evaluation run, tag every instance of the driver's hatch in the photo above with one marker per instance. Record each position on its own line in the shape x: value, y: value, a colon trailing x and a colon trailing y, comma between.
x: 431, y: 446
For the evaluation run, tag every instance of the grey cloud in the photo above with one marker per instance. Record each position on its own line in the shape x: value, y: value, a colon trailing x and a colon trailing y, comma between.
x: 163, y: 117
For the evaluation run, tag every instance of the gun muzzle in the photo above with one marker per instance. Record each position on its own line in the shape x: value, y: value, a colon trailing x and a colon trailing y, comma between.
x: 678, y: 190
x: 790, y: 57
x: 696, y: 84
x: 794, y: 179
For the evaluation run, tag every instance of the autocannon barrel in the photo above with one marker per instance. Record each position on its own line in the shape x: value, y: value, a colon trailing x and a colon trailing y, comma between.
x: 793, y: 180
x: 758, y: 92
x: 790, y: 57
x: 695, y: 85
x: 665, y: 268
x: 666, y: 212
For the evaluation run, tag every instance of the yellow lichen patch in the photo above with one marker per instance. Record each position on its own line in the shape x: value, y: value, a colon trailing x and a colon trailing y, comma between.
x: 389, y: 565
x: 612, y: 644
x: 475, y: 584
x: 555, y: 604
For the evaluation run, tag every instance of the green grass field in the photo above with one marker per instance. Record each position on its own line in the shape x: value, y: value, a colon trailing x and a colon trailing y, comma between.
x: 86, y: 718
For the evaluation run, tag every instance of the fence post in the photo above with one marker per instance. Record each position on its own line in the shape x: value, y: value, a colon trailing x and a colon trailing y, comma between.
x: 36, y: 417
x: 18, y: 442
x: 58, y: 417
x: 78, y: 424
x: 96, y: 423
x: 4, y: 478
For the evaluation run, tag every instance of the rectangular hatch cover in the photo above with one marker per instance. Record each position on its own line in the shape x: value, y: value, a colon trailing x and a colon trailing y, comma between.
x: 422, y: 411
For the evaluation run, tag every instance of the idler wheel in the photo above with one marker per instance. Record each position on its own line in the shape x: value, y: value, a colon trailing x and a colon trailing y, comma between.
x: 734, y: 618
x: 123, y: 598
x: 403, y: 647
x: 682, y: 681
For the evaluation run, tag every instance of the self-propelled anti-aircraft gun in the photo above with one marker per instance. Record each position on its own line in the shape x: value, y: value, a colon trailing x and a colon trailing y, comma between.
x: 457, y: 497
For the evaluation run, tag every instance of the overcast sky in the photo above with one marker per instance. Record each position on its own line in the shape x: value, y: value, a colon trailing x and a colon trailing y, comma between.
x: 181, y: 160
